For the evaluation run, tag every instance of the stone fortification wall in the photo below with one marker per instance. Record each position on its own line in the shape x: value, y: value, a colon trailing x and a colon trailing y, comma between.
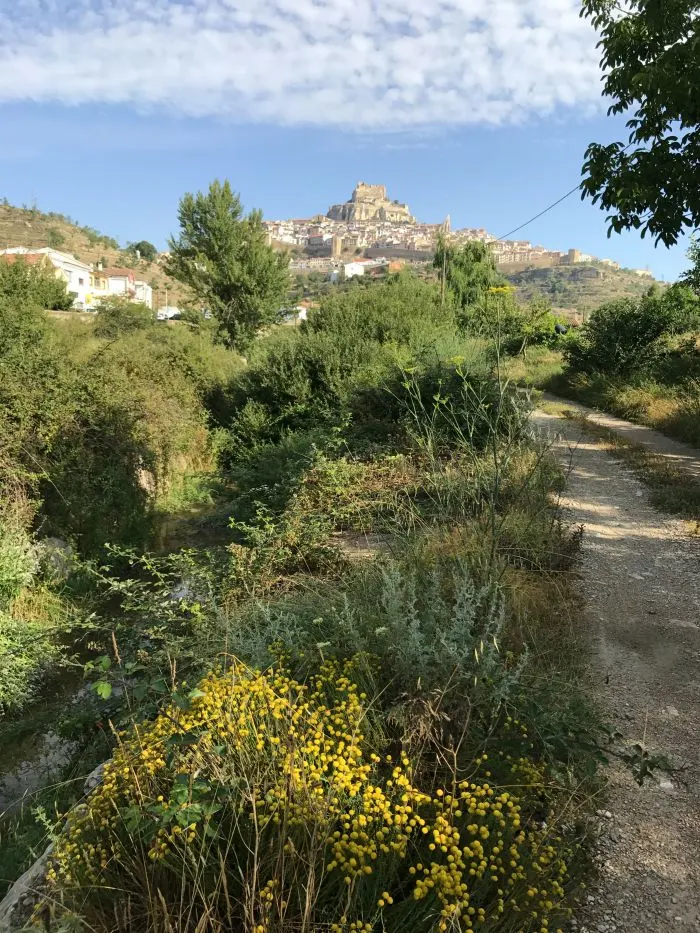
x: 364, y: 192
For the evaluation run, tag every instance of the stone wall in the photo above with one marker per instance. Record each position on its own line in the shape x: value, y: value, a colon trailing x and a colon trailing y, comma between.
x: 398, y: 252
x: 364, y: 192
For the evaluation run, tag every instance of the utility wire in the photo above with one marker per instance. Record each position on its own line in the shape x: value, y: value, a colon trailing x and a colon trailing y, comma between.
x: 541, y: 213
x: 562, y: 198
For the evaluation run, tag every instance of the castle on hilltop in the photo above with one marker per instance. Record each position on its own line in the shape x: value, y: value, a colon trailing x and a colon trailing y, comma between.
x: 370, y: 203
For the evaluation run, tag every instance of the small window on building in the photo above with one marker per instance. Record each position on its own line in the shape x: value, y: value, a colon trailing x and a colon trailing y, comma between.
x: 81, y: 281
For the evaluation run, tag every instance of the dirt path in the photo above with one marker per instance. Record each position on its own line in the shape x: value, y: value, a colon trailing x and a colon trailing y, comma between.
x: 641, y: 581
x: 679, y: 455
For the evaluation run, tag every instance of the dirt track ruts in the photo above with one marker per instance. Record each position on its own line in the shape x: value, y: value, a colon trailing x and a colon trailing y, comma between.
x: 640, y: 573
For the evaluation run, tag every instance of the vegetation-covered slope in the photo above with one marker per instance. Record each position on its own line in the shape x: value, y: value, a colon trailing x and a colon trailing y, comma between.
x: 366, y: 653
x: 582, y: 287
x: 30, y: 227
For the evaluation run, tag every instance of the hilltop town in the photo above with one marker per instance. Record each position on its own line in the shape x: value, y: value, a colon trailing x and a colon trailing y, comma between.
x: 367, y: 235
x: 371, y: 224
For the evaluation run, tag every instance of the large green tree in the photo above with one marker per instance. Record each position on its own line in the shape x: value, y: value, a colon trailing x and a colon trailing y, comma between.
x: 34, y: 284
x: 118, y: 317
x: 143, y: 250
x: 466, y: 272
x: 223, y: 256
x: 651, y: 61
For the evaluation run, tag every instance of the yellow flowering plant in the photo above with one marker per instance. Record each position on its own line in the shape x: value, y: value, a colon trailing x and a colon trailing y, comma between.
x: 269, y: 804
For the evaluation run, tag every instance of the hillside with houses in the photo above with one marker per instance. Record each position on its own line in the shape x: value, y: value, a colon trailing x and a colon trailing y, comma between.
x: 372, y: 224
x: 83, y: 253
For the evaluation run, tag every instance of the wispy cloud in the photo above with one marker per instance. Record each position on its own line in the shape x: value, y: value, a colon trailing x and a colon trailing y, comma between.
x: 366, y: 64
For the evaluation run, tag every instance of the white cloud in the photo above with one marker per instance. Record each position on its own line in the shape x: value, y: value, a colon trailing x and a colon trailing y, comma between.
x: 368, y: 64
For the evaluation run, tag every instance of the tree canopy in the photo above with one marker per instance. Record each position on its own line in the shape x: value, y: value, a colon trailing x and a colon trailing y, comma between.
x: 223, y: 256
x: 651, y: 60
x: 33, y: 284
x: 467, y: 271
x: 143, y: 249
x: 118, y: 317
x: 692, y: 276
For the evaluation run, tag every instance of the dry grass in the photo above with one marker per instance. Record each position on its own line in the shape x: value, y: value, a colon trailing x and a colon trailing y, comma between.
x: 537, y: 368
x: 672, y: 410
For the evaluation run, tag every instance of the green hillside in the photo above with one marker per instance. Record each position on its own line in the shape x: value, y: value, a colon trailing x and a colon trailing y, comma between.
x: 582, y: 287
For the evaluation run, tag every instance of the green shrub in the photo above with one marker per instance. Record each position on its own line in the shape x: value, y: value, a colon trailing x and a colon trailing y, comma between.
x: 28, y: 647
x: 27, y: 652
x: 25, y: 284
x: 680, y: 364
x: 271, y: 473
x: 117, y: 317
x: 96, y: 428
x: 355, y: 343
x: 365, y: 392
x: 630, y: 336
x: 403, y: 311
x: 96, y: 488
x: 433, y: 627
x: 18, y: 562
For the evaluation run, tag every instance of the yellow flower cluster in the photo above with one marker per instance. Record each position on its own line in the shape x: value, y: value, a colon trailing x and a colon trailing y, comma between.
x: 242, y: 722
x: 262, y: 763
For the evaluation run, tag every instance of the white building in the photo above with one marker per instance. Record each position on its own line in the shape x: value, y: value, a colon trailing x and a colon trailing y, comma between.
x: 352, y: 269
x: 143, y: 293
x: 121, y: 283
x: 76, y: 274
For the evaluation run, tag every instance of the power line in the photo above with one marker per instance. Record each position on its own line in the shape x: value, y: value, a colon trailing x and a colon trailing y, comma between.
x: 541, y: 213
x: 562, y: 198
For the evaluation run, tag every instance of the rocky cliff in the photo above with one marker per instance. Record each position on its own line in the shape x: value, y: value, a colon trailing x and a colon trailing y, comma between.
x: 370, y: 203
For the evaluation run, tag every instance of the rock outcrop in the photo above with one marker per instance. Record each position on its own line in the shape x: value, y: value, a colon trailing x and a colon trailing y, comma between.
x: 370, y: 203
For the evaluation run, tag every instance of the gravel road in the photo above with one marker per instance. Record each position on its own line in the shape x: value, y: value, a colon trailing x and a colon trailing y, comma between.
x: 641, y: 584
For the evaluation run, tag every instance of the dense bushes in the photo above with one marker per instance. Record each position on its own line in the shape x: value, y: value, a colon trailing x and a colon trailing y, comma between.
x: 323, y: 735
x: 632, y: 336
x: 32, y: 284
x: 640, y: 359
x: 346, y: 367
x: 403, y: 311
x: 95, y: 429
x: 118, y: 317
x: 27, y: 648
x: 510, y: 326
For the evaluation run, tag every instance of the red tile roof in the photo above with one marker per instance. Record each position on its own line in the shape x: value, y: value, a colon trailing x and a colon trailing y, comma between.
x: 32, y: 259
x: 121, y: 273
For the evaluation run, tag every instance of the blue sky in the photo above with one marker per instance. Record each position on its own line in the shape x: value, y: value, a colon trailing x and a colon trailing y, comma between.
x: 110, y: 111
